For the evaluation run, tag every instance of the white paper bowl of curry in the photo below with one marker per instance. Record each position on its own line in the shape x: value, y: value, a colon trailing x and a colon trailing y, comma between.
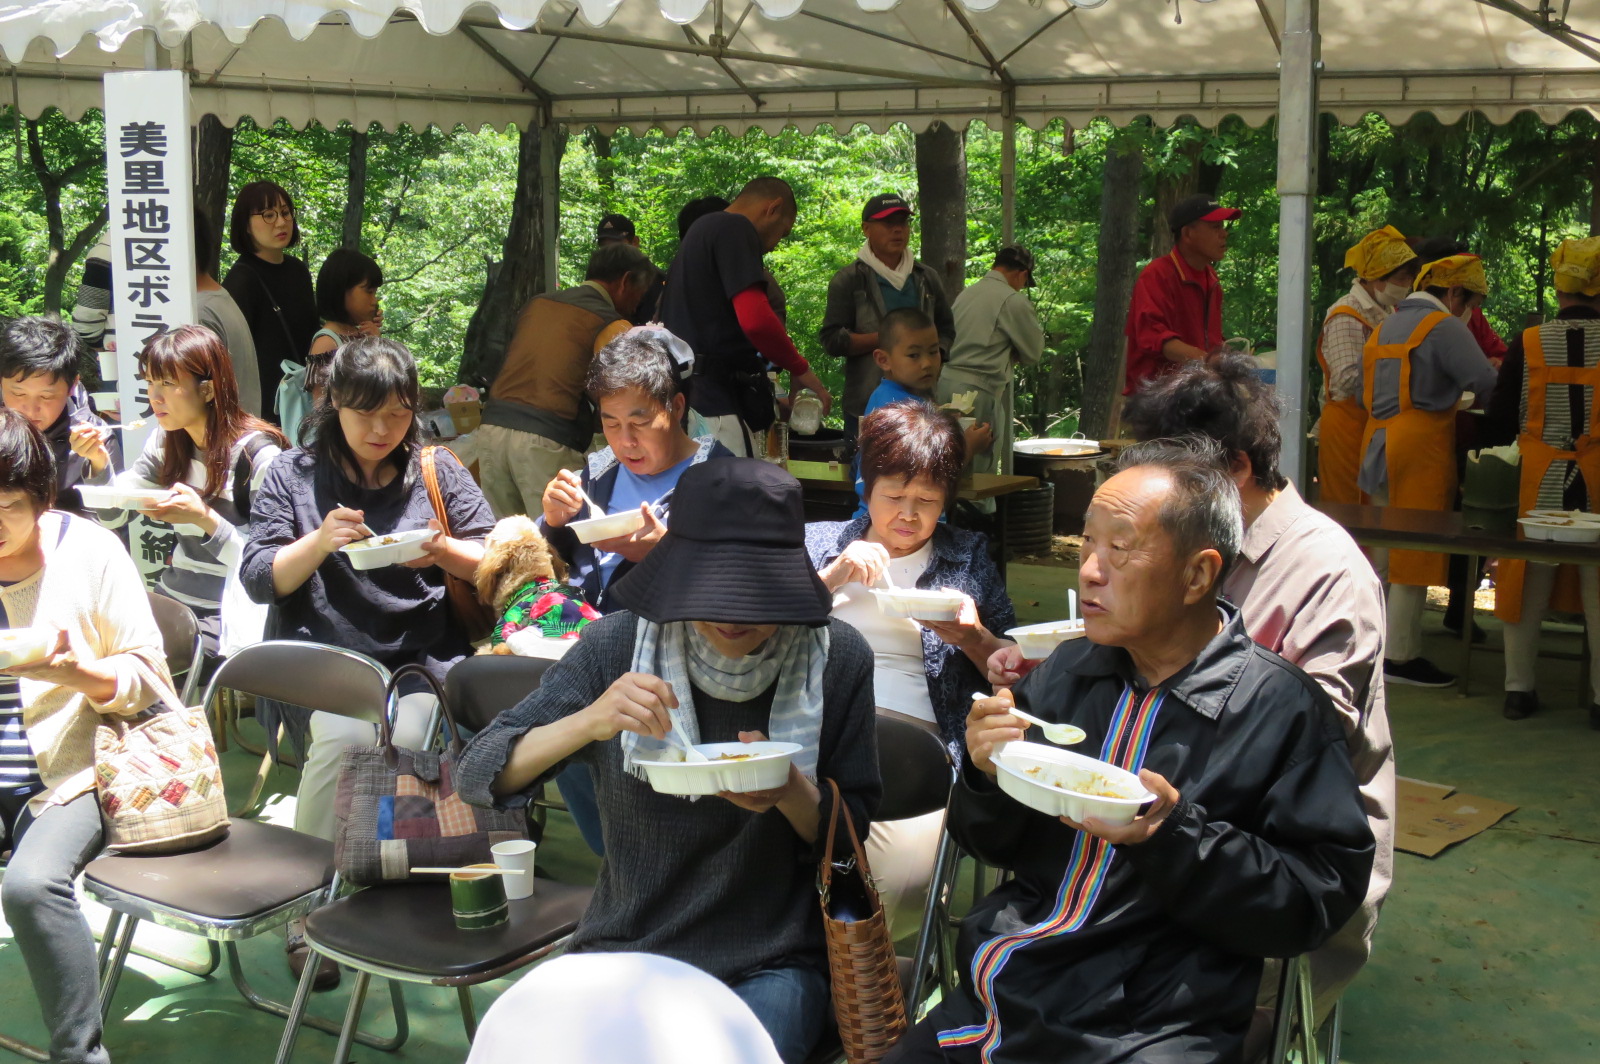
x: 737, y: 767
x: 1036, y: 641
x: 375, y: 552
x: 919, y: 604
x: 1560, y: 529
x: 1059, y: 782
x: 24, y: 646
x: 610, y: 526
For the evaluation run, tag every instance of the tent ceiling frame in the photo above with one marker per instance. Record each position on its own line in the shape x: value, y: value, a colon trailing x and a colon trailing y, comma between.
x: 1540, y: 20
x: 892, y: 39
x: 535, y: 90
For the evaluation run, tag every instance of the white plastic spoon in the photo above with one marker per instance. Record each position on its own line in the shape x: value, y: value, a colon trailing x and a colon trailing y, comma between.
x: 1072, y: 604
x: 683, y: 743
x: 1060, y: 734
x: 596, y: 511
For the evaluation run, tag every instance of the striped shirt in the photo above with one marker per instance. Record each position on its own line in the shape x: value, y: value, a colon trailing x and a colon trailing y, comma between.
x: 19, y: 768
x: 198, y: 566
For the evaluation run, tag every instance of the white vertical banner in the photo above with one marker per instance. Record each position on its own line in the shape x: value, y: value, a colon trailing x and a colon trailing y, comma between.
x: 150, y: 179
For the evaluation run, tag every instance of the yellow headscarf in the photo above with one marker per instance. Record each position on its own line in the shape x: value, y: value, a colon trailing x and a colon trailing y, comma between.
x: 1379, y: 253
x: 1577, y: 266
x: 1464, y: 271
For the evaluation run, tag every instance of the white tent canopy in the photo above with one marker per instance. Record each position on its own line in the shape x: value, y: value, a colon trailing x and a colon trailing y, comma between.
x: 732, y: 63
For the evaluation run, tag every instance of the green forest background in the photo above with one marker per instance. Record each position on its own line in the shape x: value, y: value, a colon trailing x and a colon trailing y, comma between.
x: 437, y: 205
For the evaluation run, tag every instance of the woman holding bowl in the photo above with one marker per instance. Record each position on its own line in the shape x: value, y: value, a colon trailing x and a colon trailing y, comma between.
x: 722, y: 636
x: 72, y: 582
x: 209, y: 455
x: 925, y: 672
x: 360, y: 474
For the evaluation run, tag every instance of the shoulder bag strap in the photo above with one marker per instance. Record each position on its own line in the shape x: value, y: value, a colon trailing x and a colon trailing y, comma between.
x: 430, y: 478
x: 243, y: 469
x: 273, y: 303
x: 386, y: 735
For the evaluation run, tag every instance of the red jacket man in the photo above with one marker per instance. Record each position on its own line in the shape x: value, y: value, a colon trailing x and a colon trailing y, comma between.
x: 1176, y: 311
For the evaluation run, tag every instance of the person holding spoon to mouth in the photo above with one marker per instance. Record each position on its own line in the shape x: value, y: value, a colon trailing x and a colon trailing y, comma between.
x: 208, y: 454
x: 911, y: 456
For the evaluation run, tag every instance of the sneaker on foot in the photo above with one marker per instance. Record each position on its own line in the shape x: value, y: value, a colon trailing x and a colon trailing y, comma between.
x: 1418, y: 672
x: 1520, y: 705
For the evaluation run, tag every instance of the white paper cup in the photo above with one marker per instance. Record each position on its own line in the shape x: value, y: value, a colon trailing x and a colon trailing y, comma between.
x: 516, y: 854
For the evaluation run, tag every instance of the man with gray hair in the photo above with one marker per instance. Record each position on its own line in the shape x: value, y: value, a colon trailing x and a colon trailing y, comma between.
x: 538, y: 421
x: 1145, y: 941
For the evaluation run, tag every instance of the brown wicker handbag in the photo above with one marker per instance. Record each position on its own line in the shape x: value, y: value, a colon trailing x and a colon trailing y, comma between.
x: 474, y: 616
x: 867, y: 1001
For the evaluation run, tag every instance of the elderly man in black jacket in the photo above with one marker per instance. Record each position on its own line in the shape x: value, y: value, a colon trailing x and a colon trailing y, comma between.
x: 1145, y: 942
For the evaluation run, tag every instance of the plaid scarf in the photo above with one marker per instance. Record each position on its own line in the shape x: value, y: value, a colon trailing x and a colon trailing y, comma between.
x: 795, y: 657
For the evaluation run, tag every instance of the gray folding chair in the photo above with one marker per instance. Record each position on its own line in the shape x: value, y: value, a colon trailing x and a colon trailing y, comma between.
x: 406, y: 932
x: 483, y: 686
x: 259, y: 877
x: 180, y: 642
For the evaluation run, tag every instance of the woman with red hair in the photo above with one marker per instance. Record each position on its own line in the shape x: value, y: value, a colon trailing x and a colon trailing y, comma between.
x: 209, y: 454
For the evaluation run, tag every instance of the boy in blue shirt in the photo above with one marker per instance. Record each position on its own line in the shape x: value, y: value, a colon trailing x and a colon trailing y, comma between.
x: 909, y: 355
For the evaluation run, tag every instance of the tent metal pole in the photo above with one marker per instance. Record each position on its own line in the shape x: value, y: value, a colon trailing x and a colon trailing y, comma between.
x: 1008, y: 167
x: 1297, y: 185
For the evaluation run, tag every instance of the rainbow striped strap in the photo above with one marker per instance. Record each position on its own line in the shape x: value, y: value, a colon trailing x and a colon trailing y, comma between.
x: 1127, y: 741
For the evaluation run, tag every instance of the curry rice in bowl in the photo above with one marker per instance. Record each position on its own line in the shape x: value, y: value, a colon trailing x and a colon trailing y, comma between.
x: 375, y: 552
x: 1062, y: 783
x: 737, y: 767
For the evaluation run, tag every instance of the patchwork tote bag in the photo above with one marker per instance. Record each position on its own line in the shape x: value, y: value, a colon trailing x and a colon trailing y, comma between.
x: 396, y: 809
x: 158, y: 778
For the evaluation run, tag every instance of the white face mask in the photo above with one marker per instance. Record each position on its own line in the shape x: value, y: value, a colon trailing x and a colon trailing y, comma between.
x: 1466, y: 316
x: 1390, y: 294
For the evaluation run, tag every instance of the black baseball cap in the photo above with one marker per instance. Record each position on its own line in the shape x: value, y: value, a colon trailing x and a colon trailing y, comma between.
x: 1199, y: 208
x: 1016, y: 257
x: 614, y: 227
x: 885, y: 206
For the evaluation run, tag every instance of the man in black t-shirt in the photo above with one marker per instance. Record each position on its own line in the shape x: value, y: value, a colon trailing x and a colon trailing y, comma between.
x: 716, y: 300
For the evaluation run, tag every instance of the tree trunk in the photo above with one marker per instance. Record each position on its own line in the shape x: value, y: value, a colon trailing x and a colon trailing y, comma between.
x: 213, y: 160
x: 355, y: 192
x: 520, y: 273
x: 942, y: 203
x: 1118, y: 256
x: 605, y: 169
x: 1173, y: 184
x: 1594, y: 191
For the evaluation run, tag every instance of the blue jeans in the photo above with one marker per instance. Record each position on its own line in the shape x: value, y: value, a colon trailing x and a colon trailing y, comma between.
x: 577, y: 790
x: 792, y: 1004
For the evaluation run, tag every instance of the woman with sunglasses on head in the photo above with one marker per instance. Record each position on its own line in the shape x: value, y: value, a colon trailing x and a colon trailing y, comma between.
x: 210, y: 454
x: 272, y: 287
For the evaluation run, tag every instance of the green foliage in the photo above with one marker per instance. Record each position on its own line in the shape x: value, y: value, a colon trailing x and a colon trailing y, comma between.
x: 438, y: 204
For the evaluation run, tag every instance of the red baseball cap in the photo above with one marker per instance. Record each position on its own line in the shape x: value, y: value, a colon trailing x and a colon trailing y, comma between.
x: 885, y: 206
x: 1199, y: 208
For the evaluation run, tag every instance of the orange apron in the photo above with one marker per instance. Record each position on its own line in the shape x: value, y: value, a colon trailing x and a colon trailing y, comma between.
x: 1537, y: 457
x: 1419, y: 451
x: 1341, y: 432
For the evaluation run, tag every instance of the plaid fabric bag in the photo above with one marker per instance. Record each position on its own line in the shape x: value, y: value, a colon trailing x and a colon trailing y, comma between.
x: 158, y: 779
x: 396, y: 808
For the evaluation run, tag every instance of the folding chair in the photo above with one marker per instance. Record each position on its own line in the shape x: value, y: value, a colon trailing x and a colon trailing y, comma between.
x: 483, y: 686
x: 406, y: 932
x: 1278, y: 1029
x: 180, y: 642
x: 259, y: 877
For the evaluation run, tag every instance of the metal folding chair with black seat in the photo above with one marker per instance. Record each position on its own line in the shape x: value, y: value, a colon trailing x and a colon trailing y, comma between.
x: 180, y: 641
x: 406, y: 932
x: 483, y: 686
x: 259, y: 877
x: 1276, y: 1030
x: 917, y: 776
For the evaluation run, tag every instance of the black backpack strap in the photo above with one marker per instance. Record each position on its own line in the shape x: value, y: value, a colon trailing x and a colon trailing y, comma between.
x: 242, y: 470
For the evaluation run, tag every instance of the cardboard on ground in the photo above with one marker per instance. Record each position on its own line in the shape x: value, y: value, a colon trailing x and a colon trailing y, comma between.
x: 1433, y: 816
